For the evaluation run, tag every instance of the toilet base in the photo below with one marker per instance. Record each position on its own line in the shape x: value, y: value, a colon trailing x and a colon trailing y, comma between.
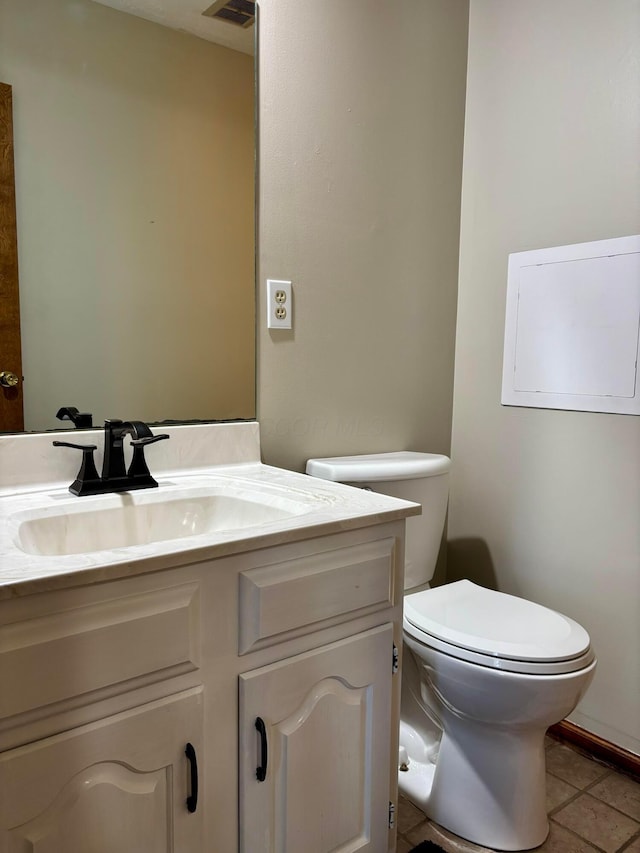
x: 416, y: 755
x: 505, y: 809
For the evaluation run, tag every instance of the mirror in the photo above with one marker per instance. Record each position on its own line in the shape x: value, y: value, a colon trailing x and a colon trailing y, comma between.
x: 134, y: 173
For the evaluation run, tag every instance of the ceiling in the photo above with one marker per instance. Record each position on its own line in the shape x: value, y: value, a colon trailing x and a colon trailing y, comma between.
x: 186, y: 15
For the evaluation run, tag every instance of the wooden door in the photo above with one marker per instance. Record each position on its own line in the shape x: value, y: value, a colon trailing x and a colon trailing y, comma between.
x: 327, y: 725
x: 116, y: 786
x: 11, y: 408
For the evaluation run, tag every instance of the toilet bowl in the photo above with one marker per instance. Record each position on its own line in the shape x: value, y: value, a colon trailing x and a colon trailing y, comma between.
x: 484, y: 674
x: 495, y: 671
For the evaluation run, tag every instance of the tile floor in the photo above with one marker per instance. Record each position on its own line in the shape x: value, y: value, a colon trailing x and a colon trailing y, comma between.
x: 592, y: 809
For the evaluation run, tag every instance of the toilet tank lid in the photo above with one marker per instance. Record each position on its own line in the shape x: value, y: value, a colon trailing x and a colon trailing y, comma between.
x: 372, y: 467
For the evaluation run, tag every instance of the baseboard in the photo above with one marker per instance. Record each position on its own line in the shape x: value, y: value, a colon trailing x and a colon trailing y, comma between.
x: 598, y: 747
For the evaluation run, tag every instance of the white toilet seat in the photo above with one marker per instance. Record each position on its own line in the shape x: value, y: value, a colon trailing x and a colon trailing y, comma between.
x: 496, y: 630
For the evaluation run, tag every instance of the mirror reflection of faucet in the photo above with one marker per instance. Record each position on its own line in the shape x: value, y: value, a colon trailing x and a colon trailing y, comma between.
x: 115, y: 476
x: 80, y: 420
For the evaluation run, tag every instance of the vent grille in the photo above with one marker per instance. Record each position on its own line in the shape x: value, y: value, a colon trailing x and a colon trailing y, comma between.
x: 241, y: 13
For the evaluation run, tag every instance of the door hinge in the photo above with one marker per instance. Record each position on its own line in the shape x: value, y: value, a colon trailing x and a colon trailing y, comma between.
x: 392, y: 815
x: 395, y: 665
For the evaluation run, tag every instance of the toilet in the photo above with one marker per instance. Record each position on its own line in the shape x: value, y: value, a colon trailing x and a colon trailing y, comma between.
x: 484, y: 673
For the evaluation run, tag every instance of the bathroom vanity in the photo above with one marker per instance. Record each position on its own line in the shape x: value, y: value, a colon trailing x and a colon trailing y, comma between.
x: 220, y: 673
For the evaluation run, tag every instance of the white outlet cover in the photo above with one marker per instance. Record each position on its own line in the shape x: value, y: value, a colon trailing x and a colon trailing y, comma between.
x: 572, y: 327
x: 274, y: 321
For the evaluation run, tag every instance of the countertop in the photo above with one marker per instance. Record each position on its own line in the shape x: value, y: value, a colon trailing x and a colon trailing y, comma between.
x: 324, y: 508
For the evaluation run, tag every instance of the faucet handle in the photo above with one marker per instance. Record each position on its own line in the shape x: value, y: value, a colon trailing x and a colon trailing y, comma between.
x: 87, y: 482
x: 148, y: 439
x: 138, y: 467
x: 83, y: 447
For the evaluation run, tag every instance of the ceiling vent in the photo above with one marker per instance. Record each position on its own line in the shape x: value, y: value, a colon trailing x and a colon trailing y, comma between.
x: 242, y: 13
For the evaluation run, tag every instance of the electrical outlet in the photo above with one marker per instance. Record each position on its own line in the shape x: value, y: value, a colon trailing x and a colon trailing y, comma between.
x: 279, y: 305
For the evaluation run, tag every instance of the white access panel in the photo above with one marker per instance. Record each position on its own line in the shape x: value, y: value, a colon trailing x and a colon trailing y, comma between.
x: 572, y: 327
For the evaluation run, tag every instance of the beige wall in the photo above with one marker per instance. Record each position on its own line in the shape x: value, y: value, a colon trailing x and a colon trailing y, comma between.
x: 361, y: 110
x: 134, y: 153
x: 547, y: 503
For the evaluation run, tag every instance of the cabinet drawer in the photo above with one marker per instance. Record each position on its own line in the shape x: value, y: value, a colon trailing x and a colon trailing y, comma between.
x: 76, y: 650
x: 296, y: 596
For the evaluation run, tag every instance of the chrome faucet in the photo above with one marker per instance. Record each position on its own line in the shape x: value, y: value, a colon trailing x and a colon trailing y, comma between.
x: 115, y: 476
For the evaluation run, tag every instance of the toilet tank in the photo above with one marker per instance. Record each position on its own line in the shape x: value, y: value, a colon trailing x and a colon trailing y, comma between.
x: 419, y: 477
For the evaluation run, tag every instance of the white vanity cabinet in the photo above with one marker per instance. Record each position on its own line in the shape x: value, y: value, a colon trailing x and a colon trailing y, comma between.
x: 94, y: 725
x: 104, y: 682
x: 114, y: 785
x: 314, y: 749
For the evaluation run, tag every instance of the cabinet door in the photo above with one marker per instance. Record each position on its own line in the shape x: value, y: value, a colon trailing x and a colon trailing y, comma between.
x: 327, y: 718
x: 116, y: 785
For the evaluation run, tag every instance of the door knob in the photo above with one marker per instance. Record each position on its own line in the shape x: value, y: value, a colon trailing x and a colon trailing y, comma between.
x: 8, y: 379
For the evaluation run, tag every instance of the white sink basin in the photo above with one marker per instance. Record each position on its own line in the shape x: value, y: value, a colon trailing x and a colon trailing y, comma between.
x: 109, y: 522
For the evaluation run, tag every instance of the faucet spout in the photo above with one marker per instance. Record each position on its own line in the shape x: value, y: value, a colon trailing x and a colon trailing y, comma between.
x: 137, y: 429
x: 113, y: 465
